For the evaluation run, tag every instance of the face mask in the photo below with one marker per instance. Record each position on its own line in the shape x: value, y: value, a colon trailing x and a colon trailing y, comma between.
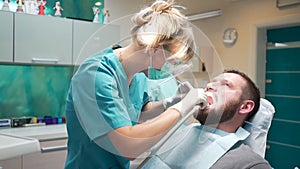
x: 168, y: 70
x: 159, y: 74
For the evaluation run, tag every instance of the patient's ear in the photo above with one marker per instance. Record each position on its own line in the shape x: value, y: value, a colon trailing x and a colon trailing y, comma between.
x: 246, y: 107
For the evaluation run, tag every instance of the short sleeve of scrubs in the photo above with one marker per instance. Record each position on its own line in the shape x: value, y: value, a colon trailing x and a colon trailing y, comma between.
x: 139, y: 93
x: 101, y: 94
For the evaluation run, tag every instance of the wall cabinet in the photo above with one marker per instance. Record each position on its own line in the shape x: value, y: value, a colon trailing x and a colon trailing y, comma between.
x: 90, y: 38
x: 42, y: 39
x: 6, y: 36
x: 35, y: 39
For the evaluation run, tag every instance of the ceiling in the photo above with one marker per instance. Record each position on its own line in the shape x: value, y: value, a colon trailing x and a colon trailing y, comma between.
x: 199, y: 6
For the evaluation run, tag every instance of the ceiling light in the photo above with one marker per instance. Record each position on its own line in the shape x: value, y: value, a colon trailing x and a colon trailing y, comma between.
x: 205, y: 15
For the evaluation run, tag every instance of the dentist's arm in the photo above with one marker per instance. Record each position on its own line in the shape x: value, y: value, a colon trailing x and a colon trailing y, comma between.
x: 153, y: 109
x: 131, y: 141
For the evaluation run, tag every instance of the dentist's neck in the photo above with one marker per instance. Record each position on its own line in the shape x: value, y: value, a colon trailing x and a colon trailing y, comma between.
x: 133, y: 59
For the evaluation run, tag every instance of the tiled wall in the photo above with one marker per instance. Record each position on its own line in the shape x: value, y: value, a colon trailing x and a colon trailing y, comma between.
x: 32, y: 90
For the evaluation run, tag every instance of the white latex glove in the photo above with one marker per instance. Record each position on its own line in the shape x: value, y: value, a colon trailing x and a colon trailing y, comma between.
x: 195, y: 97
x: 182, y: 90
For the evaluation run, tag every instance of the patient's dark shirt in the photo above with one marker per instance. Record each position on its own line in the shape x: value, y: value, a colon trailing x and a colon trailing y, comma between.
x: 241, y: 157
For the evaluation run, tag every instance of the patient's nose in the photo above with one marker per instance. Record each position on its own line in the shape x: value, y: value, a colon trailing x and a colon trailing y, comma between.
x: 209, y: 87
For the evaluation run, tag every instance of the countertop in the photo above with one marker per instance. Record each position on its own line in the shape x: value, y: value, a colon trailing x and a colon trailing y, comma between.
x: 37, y: 134
x: 54, y: 131
x: 12, y: 146
x: 24, y: 140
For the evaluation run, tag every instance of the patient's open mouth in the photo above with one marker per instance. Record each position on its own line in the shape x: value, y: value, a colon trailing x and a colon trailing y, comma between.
x: 209, y: 100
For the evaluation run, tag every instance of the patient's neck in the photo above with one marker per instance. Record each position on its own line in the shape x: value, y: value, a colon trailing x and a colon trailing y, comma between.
x: 229, y: 127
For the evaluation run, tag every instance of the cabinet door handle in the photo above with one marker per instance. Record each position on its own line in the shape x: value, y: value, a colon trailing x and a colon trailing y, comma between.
x: 268, y: 81
x: 54, y: 148
x: 42, y: 60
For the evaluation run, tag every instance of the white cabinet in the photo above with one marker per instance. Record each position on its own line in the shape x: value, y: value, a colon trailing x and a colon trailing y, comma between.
x: 36, y: 39
x: 42, y: 39
x: 89, y: 38
x: 53, y: 155
x: 13, y: 163
x: 6, y: 36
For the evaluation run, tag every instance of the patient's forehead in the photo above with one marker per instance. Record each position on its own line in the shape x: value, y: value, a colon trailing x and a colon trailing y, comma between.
x: 230, y: 77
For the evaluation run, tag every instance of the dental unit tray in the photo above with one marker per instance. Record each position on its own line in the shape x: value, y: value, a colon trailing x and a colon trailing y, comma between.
x: 164, y: 139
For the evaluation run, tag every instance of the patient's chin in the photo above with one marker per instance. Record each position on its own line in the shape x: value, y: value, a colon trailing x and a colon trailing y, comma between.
x: 207, y: 118
x: 200, y: 116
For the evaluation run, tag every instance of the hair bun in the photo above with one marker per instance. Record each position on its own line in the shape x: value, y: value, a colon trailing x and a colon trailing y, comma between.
x: 162, y: 23
x: 161, y: 6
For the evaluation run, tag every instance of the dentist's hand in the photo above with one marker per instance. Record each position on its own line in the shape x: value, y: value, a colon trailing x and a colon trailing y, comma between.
x: 182, y: 91
x: 195, y: 97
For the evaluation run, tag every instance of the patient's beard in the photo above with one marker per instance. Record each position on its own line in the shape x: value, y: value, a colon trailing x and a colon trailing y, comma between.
x: 213, y: 117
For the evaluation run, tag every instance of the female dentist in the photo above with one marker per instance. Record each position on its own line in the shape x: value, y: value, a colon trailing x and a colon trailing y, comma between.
x: 102, y: 111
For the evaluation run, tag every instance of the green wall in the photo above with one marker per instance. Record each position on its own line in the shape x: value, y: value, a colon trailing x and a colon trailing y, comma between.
x: 32, y: 90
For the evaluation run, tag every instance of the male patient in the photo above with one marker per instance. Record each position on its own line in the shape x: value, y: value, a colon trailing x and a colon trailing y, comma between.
x: 233, y: 98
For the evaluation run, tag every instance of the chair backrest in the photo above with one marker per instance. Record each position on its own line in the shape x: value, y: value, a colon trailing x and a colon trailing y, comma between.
x: 259, y: 126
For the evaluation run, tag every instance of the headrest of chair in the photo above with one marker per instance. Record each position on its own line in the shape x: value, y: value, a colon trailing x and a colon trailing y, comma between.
x: 258, y: 126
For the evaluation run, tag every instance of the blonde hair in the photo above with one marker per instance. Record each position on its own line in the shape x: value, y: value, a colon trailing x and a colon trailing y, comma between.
x: 163, y: 24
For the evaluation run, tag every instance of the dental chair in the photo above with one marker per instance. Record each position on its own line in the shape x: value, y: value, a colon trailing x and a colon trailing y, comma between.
x: 258, y: 127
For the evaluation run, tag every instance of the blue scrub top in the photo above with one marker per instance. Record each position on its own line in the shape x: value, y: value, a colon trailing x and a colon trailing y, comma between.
x: 99, y: 101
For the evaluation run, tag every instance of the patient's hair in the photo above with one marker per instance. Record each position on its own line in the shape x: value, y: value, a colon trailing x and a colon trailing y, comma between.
x: 251, y: 91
